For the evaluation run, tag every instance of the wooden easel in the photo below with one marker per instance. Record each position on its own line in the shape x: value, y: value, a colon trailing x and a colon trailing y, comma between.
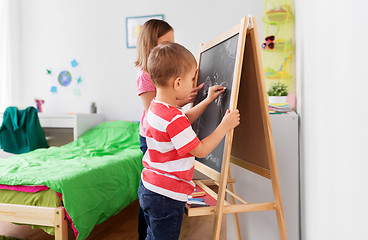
x: 250, y: 145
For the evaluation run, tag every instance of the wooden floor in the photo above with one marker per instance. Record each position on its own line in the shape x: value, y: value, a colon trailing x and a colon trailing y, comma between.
x: 122, y: 226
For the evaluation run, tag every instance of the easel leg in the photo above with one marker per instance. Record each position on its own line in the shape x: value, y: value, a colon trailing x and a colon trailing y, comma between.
x: 217, y: 227
x: 281, y: 223
x: 219, y: 208
x: 225, y: 169
x: 278, y: 202
x: 236, y: 219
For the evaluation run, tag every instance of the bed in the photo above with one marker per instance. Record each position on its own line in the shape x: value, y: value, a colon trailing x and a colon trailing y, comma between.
x: 94, y: 178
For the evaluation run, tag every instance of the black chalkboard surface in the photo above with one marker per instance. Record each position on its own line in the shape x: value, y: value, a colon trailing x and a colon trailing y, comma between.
x: 216, y: 67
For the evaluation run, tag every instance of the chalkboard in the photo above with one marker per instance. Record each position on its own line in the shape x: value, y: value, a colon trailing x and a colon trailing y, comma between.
x: 216, y: 67
x: 234, y: 60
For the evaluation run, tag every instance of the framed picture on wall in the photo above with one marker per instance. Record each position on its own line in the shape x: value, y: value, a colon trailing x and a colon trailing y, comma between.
x: 134, y: 25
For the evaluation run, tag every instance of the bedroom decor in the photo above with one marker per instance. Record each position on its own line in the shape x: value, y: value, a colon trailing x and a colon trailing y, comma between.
x: 93, y: 107
x: 278, y: 46
x: 65, y: 78
x: 277, y: 93
x: 74, y: 63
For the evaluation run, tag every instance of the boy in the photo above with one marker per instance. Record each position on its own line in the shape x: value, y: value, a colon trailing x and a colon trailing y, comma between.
x: 172, y: 143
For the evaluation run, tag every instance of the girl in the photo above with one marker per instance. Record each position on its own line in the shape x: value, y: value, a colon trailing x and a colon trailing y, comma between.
x: 153, y: 33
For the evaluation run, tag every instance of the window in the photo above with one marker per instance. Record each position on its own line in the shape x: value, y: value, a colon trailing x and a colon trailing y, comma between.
x: 4, y: 56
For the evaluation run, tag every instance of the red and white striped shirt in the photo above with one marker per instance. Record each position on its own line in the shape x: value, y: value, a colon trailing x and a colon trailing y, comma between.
x: 168, y: 165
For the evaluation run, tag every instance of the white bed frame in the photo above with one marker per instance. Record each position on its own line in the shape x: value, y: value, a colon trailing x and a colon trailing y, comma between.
x: 44, y: 216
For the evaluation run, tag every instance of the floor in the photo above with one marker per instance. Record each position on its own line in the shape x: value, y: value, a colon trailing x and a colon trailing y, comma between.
x: 122, y: 226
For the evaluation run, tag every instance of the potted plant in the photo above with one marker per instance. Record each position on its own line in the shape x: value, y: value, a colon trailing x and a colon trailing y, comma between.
x: 277, y: 93
x: 93, y: 107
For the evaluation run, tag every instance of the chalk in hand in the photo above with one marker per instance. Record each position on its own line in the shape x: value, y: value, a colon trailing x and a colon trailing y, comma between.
x: 224, y: 88
x: 198, y: 194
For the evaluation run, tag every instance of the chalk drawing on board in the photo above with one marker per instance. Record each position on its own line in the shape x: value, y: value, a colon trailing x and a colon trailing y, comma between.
x: 231, y: 46
x: 216, y: 67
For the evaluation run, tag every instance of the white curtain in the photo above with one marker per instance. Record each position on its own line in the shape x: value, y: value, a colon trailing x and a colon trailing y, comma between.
x: 5, y: 83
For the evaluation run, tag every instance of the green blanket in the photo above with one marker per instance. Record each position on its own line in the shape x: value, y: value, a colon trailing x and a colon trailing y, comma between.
x: 98, y: 175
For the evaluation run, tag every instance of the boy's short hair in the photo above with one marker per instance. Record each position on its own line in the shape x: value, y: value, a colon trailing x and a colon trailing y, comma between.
x: 169, y: 60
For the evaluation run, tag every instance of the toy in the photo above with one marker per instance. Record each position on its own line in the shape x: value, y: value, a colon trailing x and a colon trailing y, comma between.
x: 93, y: 107
x: 281, y: 73
x: 39, y: 103
x: 269, y: 42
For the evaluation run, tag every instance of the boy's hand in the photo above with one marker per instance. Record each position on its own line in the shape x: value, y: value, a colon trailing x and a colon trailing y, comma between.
x: 231, y: 119
x: 214, y: 92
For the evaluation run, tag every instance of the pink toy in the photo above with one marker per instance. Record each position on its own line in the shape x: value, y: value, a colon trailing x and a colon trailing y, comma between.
x: 291, y: 99
x: 39, y: 103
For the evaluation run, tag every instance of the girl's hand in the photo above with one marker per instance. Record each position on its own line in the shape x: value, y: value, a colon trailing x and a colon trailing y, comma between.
x: 231, y: 119
x: 190, y: 98
x: 214, y: 92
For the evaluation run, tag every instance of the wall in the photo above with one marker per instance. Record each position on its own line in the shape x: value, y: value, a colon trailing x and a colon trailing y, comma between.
x: 93, y: 32
x: 257, y: 189
x: 332, y: 87
x: 331, y: 83
x: 10, y: 63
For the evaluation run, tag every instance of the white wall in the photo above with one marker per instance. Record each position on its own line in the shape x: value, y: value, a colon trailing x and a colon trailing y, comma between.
x: 332, y: 89
x: 93, y: 31
x: 332, y: 83
x: 10, y: 63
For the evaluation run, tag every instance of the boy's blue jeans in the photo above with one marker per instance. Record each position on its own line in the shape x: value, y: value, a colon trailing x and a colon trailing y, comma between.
x: 163, y: 214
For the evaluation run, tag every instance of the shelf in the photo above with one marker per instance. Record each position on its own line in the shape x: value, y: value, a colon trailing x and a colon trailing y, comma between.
x: 284, y: 76
x: 280, y: 47
x: 280, y: 17
x: 209, y: 198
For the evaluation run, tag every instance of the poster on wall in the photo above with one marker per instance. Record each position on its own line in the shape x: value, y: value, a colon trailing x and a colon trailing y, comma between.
x: 67, y: 79
x: 134, y: 25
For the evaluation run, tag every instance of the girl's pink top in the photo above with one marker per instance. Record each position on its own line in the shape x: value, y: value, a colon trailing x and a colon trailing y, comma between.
x: 144, y: 84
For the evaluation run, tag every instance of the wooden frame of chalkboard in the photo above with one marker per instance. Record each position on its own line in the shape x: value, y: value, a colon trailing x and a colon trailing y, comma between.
x: 218, y: 50
x: 249, y: 145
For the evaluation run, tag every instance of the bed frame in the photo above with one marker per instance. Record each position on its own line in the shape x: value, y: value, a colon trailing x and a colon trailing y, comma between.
x: 44, y: 216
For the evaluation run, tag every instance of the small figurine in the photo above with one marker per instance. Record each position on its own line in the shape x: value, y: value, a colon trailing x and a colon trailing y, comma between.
x: 39, y: 103
x: 93, y: 107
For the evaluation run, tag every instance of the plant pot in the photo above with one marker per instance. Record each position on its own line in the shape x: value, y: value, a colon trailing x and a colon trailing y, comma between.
x: 277, y: 99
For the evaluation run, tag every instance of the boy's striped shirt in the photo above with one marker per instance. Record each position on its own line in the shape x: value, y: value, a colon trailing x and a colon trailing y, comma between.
x: 168, y: 165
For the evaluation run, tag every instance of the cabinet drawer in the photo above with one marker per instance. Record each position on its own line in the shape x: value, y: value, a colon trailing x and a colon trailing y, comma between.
x: 59, y: 122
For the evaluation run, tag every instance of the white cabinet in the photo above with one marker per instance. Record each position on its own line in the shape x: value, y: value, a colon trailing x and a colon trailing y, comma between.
x: 64, y: 128
x: 254, y: 188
